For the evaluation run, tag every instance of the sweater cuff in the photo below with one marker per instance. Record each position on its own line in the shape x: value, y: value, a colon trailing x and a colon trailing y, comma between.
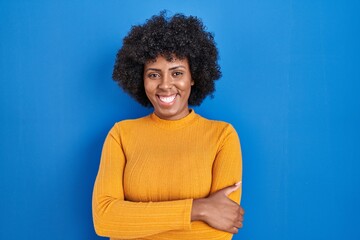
x: 187, y: 214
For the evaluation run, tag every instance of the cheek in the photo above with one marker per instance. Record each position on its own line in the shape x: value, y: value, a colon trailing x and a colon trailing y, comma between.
x: 148, y: 87
x: 184, y: 85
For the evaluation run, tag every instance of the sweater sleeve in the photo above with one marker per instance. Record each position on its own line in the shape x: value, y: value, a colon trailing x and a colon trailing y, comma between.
x: 115, y: 217
x: 227, y: 167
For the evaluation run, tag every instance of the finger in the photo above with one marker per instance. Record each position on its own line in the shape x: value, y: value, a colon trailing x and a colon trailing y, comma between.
x: 238, y: 225
x: 233, y: 230
x: 242, y: 212
x: 239, y: 221
x: 240, y: 218
x: 231, y: 189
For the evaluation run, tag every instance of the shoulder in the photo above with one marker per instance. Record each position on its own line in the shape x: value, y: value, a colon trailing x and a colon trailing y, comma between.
x: 218, y: 125
x: 223, y: 133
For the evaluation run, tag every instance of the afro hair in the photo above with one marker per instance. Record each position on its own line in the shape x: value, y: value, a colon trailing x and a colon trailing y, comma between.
x: 179, y: 36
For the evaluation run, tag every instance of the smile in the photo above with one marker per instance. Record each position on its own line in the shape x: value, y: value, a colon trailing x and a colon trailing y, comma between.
x: 167, y: 99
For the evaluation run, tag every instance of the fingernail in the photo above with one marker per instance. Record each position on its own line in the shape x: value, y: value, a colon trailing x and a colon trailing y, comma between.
x: 238, y: 183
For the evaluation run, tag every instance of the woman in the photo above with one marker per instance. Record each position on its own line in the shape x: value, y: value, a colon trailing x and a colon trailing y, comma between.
x: 172, y: 174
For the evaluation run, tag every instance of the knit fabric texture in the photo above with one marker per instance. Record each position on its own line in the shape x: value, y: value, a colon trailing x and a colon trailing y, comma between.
x: 151, y: 170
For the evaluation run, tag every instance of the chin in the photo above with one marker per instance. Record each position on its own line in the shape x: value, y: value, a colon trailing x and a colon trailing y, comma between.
x: 168, y: 114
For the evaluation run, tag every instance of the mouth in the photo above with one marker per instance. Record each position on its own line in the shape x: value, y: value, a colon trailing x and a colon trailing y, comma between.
x: 167, y: 99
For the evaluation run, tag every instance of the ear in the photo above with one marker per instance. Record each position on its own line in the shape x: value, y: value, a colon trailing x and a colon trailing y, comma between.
x: 192, y: 82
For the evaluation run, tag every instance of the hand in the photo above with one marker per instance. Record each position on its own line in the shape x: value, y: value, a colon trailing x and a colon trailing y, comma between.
x: 218, y: 211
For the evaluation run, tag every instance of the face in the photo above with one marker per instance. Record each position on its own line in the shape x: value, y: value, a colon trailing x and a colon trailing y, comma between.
x: 168, y: 86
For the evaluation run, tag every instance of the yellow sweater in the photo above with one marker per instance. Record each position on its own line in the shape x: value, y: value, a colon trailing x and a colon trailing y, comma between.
x: 151, y: 170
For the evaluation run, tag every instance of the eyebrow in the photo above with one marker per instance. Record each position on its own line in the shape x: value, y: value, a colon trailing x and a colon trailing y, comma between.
x: 159, y: 70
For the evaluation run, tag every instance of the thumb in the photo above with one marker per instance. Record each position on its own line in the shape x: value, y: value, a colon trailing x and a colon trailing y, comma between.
x: 232, y: 188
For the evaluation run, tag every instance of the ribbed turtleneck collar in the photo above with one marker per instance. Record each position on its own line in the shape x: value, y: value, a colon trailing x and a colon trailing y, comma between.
x: 174, y: 124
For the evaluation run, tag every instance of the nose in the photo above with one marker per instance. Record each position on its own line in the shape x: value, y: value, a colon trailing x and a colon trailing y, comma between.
x: 166, y: 82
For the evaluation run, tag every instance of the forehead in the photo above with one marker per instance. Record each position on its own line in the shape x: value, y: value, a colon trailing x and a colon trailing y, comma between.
x: 162, y: 62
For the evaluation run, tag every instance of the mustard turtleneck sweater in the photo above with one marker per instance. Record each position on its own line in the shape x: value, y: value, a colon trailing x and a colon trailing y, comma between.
x: 151, y: 170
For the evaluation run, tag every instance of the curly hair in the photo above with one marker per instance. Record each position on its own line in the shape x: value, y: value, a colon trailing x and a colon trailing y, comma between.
x: 179, y: 36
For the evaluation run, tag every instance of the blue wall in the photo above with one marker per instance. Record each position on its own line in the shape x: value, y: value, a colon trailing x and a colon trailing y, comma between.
x: 290, y: 86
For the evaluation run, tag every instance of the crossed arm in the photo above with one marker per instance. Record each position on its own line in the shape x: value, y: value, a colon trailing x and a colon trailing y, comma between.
x: 115, y: 217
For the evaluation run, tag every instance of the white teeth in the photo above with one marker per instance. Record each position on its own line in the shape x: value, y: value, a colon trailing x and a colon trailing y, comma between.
x: 167, y: 99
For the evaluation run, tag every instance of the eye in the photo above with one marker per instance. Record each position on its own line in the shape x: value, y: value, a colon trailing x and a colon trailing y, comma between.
x: 178, y: 74
x: 153, y: 75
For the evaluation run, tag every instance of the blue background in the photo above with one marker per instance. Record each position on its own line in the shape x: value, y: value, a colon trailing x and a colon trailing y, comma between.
x: 290, y: 86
